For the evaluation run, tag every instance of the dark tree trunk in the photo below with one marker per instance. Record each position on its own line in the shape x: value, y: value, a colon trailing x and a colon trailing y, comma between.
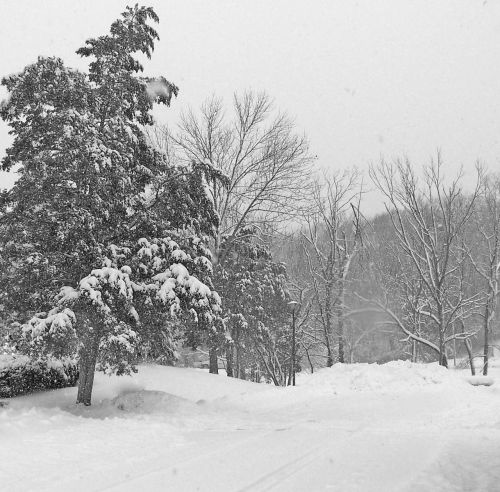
x: 230, y: 361
x: 329, y: 359
x: 237, y: 371
x: 213, y: 362
x: 341, y: 341
x: 486, y: 346
x: 237, y: 364
x: 309, y: 360
x: 87, y: 363
x: 328, y: 328
x: 329, y: 353
x: 471, y: 358
x: 443, y: 360
x: 340, y: 324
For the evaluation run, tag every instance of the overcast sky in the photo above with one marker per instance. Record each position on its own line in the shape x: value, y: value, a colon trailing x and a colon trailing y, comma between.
x: 363, y: 79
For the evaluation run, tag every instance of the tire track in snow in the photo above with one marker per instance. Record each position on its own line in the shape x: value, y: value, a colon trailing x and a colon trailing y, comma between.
x: 288, y: 469
x: 237, y: 471
x: 177, y: 465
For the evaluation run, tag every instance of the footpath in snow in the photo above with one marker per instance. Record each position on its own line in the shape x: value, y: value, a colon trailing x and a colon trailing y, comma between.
x: 360, y: 427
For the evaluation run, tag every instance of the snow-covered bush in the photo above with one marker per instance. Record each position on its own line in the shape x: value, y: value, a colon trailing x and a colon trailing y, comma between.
x: 20, y: 375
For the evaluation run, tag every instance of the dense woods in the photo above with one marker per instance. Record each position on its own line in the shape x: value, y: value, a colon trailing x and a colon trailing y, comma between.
x: 124, y: 239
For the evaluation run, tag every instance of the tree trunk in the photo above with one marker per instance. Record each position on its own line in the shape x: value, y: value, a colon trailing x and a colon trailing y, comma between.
x: 340, y: 335
x: 86, y: 365
x: 329, y: 359
x: 471, y: 358
x: 329, y: 353
x: 229, y: 361
x: 443, y: 360
x: 340, y: 323
x: 309, y: 360
x: 213, y: 362
x: 328, y: 327
x: 237, y: 364
x: 486, y: 346
x: 414, y: 347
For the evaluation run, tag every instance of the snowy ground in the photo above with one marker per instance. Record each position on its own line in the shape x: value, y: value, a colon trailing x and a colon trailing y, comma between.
x: 360, y: 427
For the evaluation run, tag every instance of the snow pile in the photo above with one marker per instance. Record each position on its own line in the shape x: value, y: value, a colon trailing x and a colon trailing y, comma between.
x: 145, y: 401
x: 397, y: 376
x: 480, y: 380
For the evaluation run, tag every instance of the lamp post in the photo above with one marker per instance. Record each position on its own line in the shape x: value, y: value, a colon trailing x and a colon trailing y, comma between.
x: 293, y: 306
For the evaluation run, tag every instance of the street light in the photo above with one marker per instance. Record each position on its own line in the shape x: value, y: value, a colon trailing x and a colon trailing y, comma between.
x: 294, y: 307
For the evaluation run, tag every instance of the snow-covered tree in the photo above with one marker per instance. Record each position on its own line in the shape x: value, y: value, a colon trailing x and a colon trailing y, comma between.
x: 428, y: 218
x: 483, y: 250
x: 331, y: 240
x: 255, y: 296
x: 267, y: 164
x: 102, y: 241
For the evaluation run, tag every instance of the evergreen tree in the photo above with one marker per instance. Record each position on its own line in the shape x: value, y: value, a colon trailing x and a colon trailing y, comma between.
x: 255, y: 297
x: 102, y: 243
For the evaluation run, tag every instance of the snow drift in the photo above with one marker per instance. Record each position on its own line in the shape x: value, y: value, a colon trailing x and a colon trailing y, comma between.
x: 393, y: 377
x: 368, y: 427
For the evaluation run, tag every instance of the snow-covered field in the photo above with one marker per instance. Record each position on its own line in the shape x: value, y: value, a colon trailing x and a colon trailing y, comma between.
x: 360, y: 427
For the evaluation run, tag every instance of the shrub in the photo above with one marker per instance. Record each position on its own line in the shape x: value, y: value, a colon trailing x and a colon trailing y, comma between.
x: 20, y: 375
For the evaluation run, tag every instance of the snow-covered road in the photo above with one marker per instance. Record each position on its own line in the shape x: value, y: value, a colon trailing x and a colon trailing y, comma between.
x: 363, y: 428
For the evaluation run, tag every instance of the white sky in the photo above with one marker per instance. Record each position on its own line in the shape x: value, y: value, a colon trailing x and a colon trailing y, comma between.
x: 361, y: 78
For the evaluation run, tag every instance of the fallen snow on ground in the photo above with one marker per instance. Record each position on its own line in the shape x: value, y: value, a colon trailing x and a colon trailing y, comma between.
x: 359, y: 427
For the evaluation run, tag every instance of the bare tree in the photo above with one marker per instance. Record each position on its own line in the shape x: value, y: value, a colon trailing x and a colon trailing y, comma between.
x: 258, y: 149
x: 484, y: 253
x: 266, y: 162
x: 331, y: 239
x: 428, y: 219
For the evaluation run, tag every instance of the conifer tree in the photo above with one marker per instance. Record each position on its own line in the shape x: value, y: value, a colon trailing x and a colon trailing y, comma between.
x: 102, y: 241
x: 255, y: 297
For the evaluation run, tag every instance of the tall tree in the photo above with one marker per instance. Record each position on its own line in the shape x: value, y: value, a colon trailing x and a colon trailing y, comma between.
x: 92, y: 254
x: 267, y: 164
x: 483, y: 250
x: 331, y: 240
x: 428, y: 220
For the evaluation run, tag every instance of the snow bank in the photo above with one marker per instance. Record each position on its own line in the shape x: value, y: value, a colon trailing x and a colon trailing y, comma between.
x: 397, y: 376
x: 480, y: 380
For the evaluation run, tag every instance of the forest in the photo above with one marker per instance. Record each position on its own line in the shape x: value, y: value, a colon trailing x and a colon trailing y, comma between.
x: 223, y: 238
